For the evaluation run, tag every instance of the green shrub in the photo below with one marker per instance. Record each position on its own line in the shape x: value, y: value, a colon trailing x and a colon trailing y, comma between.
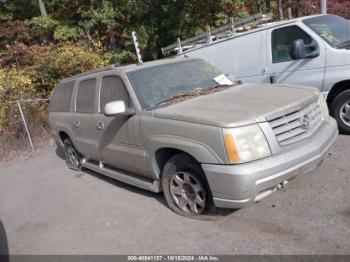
x: 64, y: 33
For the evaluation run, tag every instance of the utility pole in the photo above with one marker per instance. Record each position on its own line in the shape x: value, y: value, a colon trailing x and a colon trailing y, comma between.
x: 42, y: 8
x: 323, y: 7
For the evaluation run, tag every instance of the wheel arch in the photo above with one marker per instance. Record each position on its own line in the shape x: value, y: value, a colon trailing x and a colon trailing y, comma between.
x: 164, y: 147
x: 162, y: 155
x: 63, y: 135
x: 337, y: 89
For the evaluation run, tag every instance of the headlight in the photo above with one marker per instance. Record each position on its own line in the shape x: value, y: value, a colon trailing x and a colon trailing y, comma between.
x: 323, y: 104
x: 245, y: 144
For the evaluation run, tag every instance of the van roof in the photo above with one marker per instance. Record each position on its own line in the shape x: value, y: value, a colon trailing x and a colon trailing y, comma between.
x: 260, y: 28
x: 131, y: 67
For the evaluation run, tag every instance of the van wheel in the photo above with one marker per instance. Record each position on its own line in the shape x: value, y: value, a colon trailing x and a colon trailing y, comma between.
x: 73, y: 157
x: 340, y: 110
x: 184, y: 186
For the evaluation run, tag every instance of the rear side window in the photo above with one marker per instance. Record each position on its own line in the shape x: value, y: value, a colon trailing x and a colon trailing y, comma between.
x: 112, y: 89
x: 61, y: 97
x: 282, y: 40
x: 86, y: 96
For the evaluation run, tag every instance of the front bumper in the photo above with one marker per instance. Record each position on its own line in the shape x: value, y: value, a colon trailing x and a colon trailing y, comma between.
x: 236, y: 186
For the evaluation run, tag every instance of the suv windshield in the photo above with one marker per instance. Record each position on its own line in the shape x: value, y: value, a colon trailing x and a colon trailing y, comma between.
x: 333, y: 29
x: 157, y: 84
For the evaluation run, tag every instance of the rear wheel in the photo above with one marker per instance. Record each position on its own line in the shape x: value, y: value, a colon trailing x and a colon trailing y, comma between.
x: 340, y: 110
x: 184, y: 186
x: 73, y: 157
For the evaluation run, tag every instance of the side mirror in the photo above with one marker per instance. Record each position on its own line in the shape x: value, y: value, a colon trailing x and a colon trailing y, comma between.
x: 116, y: 108
x: 298, y: 49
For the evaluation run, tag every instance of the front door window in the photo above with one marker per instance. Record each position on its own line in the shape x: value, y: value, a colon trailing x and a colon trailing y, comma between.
x: 282, y: 40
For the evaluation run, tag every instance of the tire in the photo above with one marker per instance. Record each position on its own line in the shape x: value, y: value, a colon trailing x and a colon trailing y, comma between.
x: 184, y: 186
x: 73, y: 157
x: 340, y: 110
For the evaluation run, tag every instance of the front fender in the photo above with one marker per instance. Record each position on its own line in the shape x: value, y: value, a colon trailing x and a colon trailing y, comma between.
x: 201, y: 152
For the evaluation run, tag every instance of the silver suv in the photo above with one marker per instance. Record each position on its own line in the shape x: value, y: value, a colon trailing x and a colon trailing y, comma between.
x: 181, y: 127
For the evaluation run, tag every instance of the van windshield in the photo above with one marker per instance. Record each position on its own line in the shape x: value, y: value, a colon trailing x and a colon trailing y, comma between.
x: 333, y: 29
x: 175, y: 82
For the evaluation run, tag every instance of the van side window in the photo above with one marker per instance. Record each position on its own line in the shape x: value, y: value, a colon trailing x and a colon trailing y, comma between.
x: 86, y: 96
x: 61, y: 97
x: 112, y: 89
x: 282, y: 40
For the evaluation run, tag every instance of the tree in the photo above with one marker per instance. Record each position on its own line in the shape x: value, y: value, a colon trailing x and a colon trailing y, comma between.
x: 280, y: 9
x: 42, y: 8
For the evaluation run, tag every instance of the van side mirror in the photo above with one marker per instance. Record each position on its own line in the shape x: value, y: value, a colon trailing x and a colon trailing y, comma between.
x: 116, y: 108
x: 298, y: 49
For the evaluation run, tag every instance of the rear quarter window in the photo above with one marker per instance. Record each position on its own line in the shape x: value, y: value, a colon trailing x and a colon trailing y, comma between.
x: 61, y: 97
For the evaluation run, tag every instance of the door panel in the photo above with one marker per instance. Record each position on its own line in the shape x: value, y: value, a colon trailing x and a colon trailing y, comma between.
x: 249, y: 59
x: 118, y: 145
x: 283, y: 69
x: 85, y: 134
x: 82, y: 122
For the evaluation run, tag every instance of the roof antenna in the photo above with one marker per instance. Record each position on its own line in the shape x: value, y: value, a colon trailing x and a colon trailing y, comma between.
x: 137, y: 49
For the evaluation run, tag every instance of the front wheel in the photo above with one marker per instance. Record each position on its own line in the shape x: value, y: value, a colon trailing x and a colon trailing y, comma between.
x: 184, y: 186
x: 340, y: 110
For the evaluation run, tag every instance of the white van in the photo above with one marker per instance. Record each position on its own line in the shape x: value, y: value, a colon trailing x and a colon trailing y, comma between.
x: 312, y: 51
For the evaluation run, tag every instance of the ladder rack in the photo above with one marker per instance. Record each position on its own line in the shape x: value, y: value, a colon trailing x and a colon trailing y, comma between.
x: 213, y: 34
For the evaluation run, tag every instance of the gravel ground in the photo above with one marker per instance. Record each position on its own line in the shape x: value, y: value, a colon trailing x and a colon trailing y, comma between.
x: 45, y: 208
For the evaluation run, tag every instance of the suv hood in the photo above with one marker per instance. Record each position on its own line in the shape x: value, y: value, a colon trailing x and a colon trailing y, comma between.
x: 240, y: 105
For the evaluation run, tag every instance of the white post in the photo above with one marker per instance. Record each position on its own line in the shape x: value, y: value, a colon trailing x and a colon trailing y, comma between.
x: 323, y: 7
x: 25, y: 125
x: 136, y: 45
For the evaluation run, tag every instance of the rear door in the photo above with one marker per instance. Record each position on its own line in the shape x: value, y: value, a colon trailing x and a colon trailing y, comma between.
x: 83, y: 123
x: 282, y: 69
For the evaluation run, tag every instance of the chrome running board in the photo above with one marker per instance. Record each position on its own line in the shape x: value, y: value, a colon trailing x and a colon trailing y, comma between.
x: 123, y: 176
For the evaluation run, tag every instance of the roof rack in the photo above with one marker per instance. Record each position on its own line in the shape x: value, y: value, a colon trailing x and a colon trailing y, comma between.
x: 102, y: 69
x: 214, y: 34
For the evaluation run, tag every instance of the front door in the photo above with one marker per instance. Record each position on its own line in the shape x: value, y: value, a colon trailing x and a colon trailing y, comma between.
x: 118, y: 145
x: 282, y: 69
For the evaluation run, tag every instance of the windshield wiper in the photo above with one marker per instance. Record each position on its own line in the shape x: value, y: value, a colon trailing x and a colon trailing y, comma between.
x: 196, y: 92
x: 343, y: 44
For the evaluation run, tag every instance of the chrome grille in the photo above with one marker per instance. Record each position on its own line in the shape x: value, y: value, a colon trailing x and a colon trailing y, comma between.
x: 297, y: 125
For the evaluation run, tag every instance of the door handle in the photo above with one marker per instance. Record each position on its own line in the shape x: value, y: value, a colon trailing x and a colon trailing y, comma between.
x: 76, y: 123
x: 100, y: 126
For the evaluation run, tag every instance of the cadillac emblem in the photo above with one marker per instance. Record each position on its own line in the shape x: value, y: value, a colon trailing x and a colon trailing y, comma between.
x: 305, y: 122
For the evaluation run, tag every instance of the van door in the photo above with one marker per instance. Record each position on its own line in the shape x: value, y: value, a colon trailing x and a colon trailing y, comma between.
x: 83, y: 118
x: 281, y: 66
x: 118, y: 145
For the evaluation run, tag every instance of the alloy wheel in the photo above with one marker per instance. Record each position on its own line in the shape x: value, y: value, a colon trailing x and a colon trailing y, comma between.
x: 188, y: 193
x: 345, y: 113
x: 73, y: 156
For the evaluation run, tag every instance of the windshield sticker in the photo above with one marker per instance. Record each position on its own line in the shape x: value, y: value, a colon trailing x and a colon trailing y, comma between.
x: 223, y: 80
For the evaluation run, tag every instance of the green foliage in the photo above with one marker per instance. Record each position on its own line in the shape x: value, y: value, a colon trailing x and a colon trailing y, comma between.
x: 46, y: 25
x: 65, y: 33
